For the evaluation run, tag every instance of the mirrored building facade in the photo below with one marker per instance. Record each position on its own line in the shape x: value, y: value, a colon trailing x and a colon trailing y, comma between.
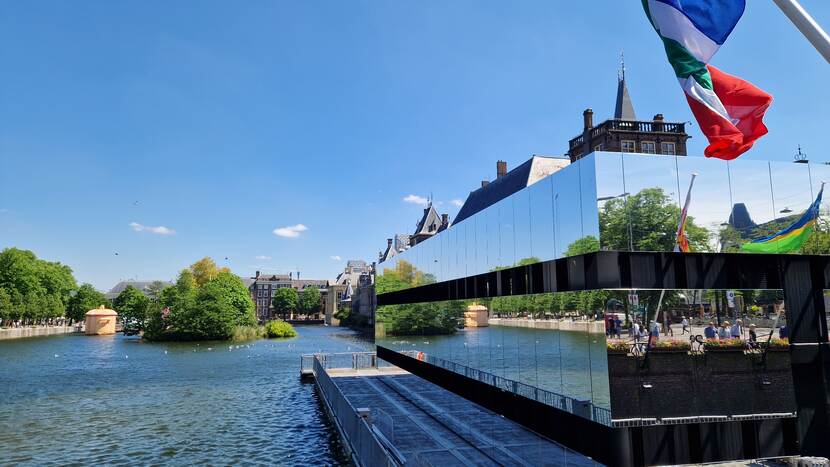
x: 561, y: 297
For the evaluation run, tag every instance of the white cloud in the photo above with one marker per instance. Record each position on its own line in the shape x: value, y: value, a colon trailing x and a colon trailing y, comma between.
x: 159, y: 230
x: 290, y: 231
x: 335, y: 257
x: 415, y: 199
x: 457, y: 203
x: 262, y: 258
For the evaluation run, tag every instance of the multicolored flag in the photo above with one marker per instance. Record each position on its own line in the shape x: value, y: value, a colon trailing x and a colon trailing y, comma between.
x: 682, y: 240
x: 793, y: 237
x: 729, y: 110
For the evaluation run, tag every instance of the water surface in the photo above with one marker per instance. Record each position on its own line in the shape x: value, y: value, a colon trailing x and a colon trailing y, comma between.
x: 114, y: 400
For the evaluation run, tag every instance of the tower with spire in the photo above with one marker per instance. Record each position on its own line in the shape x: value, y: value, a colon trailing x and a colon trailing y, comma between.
x: 625, y: 133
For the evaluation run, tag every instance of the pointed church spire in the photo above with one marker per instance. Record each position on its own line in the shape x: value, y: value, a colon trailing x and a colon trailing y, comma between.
x: 624, y: 109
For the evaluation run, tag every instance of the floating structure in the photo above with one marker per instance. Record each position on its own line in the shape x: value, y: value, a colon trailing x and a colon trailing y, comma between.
x: 100, y: 321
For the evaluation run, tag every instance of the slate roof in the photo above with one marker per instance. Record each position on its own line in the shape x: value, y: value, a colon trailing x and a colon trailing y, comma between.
x: 429, y: 219
x: 624, y: 110
x: 526, y: 174
x: 140, y: 285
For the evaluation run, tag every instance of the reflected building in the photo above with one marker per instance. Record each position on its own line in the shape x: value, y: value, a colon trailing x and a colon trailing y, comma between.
x: 548, y: 246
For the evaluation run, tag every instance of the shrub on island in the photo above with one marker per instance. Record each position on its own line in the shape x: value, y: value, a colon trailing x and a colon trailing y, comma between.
x: 212, y: 310
x: 279, y: 329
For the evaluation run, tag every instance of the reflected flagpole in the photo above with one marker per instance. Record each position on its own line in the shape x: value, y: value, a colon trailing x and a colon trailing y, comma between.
x: 682, y: 242
x: 807, y: 25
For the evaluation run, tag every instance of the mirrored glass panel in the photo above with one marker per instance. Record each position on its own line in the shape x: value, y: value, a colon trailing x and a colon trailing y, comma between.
x: 549, y: 347
x: 669, y: 352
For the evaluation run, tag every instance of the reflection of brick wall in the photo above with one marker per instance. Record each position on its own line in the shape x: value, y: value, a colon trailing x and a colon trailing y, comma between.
x: 716, y: 383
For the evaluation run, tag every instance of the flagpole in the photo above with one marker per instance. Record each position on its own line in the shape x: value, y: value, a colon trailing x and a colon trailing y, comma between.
x: 807, y: 25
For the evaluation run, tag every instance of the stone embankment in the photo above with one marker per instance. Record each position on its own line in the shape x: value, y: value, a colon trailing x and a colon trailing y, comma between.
x: 34, y: 331
x: 596, y: 327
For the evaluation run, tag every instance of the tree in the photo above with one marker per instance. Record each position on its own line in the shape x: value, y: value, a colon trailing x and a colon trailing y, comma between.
x: 37, y: 289
x: 86, y: 298
x: 237, y: 295
x: 212, y: 316
x: 587, y: 244
x: 5, y: 305
x: 155, y: 288
x: 285, y: 301
x: 310, y: 301
x: 651, y: 217
x: 204, y: 270
x: 132, y: 307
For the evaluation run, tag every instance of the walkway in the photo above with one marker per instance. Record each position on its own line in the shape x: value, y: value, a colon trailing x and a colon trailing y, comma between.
x: 432, y: 426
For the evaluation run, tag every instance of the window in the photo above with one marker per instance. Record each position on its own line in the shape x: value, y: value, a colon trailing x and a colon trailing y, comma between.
x: 668, y: 148
x: 627, y: 145
x: 648, y: 147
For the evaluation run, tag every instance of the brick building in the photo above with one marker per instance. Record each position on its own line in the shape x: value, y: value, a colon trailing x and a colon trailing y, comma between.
x: 625, y: 133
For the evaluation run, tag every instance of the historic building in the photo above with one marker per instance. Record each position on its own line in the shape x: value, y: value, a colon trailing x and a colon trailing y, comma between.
x: 626, y: 133
x: 143, y: 286
x: 263, y: 287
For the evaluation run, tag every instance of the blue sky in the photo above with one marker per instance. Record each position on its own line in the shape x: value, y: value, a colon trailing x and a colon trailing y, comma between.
x: 223, y: 121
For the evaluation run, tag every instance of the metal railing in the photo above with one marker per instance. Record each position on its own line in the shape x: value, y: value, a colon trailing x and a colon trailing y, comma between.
x: 579, y: 407
x: 364, y: 445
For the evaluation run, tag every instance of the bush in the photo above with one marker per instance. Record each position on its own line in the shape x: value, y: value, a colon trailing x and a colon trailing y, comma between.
x: 279, y: 329
x: 214, y: 311
x: 669, y: 345
x: 248, y: 333
x: 725, y: 344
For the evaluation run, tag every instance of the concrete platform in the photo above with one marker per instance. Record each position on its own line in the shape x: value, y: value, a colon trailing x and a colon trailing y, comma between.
x: 432, y: 426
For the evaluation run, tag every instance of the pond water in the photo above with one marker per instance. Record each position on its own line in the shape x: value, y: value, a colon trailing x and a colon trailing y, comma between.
x: 118, y: 400
x: 569, y: 363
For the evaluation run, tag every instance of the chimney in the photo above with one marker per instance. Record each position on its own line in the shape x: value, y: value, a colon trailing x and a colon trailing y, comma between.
x: 257, y: 274
x: 388, y: 242
x: 588, y: 118
x: 445, y: 219
x: 484, y: 183
x: 658, y: 118
x: 501, y: 169
x: 290, y: 275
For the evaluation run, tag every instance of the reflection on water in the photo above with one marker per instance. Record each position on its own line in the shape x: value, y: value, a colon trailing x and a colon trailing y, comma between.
x: 570, y: 363
x: 116, y: 400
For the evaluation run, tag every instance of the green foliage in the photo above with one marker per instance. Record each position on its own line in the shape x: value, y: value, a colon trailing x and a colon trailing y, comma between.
x: 421, y: 318
x: 205, y: 270
x: 310, y: 300
x: 285, y: 301
x: 587, y: 244
x: 248, y: 333
x: 238, y: 295
x: 155, y: 288
x: 132, y: 307
x: 279, y: 329
x: 34, y: 289
x: 653, y: 221
x: 212, y: 311
x: 85, y: 299
x: 403, y: 276
x: 5, y: 305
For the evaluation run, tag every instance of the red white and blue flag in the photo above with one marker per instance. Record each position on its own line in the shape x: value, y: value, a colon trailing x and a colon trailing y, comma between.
x: 729, y: 110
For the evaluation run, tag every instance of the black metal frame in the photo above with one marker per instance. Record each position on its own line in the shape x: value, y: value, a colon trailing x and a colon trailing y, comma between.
x: 803, y: 279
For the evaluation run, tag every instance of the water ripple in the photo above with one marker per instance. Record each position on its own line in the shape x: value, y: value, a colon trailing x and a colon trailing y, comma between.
x: 165, y: 404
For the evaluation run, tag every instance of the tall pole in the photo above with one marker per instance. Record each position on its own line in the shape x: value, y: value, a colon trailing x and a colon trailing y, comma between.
x: 807, y: 25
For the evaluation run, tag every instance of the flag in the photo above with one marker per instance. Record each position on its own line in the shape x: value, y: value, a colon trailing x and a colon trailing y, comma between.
x: 793, y: 237
x: 729, y: 110
x: 682, y: 243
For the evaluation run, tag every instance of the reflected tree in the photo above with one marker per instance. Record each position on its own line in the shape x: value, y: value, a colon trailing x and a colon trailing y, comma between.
x: 653, y: 218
